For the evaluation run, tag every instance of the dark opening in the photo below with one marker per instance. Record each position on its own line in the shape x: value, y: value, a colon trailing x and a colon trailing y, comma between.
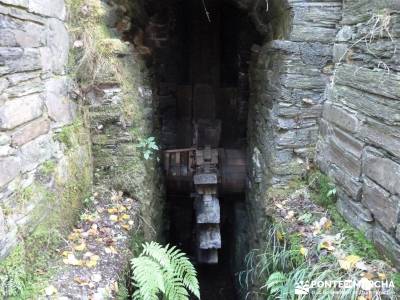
x: 200, y: 56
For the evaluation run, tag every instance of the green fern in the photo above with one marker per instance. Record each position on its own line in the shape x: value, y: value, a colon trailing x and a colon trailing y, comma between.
x: 276, y: 282
x: 163, y: 271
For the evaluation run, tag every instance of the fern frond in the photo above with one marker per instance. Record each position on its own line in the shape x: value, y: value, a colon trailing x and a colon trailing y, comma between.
x: 158, y: 253
x: 185, y: 270
x: 276, y: 282
x: 163, y: 270
x: 174, y: 288
x: 148, y: 278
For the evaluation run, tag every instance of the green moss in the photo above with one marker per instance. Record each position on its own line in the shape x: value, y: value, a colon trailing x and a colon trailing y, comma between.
x: 284, y: 192
x: 396, y: 279
x: 35, y: 193
x: 13, y: 276
x: 355, y: 239
x: 123, y: 292
x: 48, y: 167
x: 77, y: 188
x: 69, y: 135
x: 24, y: 195
x: 24, y: 273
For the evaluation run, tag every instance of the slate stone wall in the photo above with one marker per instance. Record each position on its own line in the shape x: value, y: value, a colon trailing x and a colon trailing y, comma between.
x: 43, y: 142
x: 359, y: 147
x: 289, y: 74
x: 288, y: 78
x: 123, y: 112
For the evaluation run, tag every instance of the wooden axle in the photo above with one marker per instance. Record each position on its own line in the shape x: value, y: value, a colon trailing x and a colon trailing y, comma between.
x: 180, y: 167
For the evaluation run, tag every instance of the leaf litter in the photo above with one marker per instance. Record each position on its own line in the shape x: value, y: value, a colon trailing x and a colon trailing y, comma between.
x: 96, y: 250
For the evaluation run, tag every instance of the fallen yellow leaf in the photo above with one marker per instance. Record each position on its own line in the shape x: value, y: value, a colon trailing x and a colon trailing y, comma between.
x: 112, y: 210
x: 327, y: 225
x: 81, y: 281
x: 125, y: 217
x: 344, y: 264
x: 91, y: 263
x: 80, y: 247
x: 349, y: 262
x: 72, y: 260
x: 95, y: 257
x: 369, y: 276
x: 50, y: 290
x: 125, y: 226
x: 304, y: 251
x: 280, y: 235
x: 382, y: 276
x: 327, y: 244
x: 74, y: 236
x: 113, y: 218
x: 121, y: 208
x: 110, y: 250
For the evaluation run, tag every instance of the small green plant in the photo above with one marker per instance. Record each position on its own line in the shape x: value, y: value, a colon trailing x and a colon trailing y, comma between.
x: 69, y: 134
x: 331, y: 192
x: 24, y: 273
x: 324, y: 191
x: 163, y: 271
x: 88, y: 202
x: 359, y: 245
x: 48, y: 167
x: 148, y: 146
x: 307, y: 218
x: 13, y: 273
x: 280, y: 271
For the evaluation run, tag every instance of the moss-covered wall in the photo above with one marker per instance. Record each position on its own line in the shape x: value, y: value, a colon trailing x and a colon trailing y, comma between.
x: 116, y: 84
x: 45, y: 156
x: 102, y: 101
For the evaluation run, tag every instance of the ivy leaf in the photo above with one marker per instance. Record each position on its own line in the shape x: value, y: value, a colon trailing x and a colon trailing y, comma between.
x: 154, y: 146
x: 331, y: 193
x: 146, y: 155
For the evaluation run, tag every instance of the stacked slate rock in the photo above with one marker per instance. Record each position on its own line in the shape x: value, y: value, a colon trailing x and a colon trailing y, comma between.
x: 207, y: 206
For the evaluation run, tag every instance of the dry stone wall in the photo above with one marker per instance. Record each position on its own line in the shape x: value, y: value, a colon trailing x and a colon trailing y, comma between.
x: 360, y: 133
x: 123, y: 113
x: 44, y: 152
x: 288, y: 76
x: 288, y: 79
